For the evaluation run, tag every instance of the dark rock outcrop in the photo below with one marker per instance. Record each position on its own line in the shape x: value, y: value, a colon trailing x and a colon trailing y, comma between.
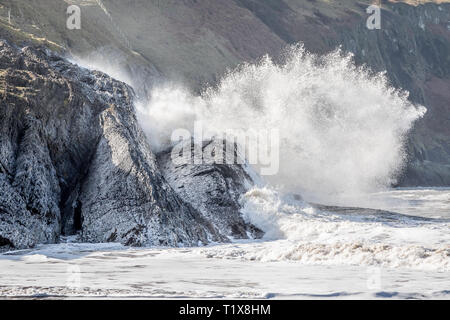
x: 213, y: 188
x: 73, y: 159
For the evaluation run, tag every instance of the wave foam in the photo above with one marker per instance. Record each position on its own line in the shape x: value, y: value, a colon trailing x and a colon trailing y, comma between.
x: 342, y: 127
x: 311, y: 236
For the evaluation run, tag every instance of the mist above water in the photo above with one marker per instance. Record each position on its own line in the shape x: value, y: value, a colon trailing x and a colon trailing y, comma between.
x: 342, y: 127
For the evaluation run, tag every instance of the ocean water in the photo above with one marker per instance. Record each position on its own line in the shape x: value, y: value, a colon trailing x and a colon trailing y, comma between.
x: 309, y: 252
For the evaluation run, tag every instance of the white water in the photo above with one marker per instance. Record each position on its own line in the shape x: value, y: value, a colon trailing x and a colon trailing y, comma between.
x: 333, y: 236
x: 318, y: 254
x: 343, y: 133
x: 342, y: 128
x: 342, y: 142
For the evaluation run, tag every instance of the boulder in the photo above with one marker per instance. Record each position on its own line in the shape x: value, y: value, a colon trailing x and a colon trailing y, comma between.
x: 213, y: 188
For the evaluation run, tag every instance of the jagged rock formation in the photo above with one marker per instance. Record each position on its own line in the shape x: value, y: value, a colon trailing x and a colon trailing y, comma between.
x: 73, y: 158
x: 213, y: 188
